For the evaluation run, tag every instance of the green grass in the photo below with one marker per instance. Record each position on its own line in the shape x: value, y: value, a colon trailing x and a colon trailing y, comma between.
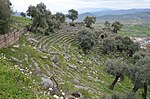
x: 19, y: 22
x: 135, y: 30
x: 91, y: 68
x: 130, y: 30
x: 13, y: 84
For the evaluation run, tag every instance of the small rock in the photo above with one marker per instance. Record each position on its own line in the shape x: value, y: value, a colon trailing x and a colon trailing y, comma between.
x: 44, y: 57
x: 54, y: 59
x: 73, y: 67
x: 15, y: 59
x: 13, y: 50
x: 75, y: 81
x: 47, y: 83
x: 77, y: 95
x: 16, y: 46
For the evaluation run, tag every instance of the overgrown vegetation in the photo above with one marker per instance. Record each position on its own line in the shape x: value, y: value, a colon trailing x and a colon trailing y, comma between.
x: 5, y: 16
x: 75, y: 61
x: 43, y: 20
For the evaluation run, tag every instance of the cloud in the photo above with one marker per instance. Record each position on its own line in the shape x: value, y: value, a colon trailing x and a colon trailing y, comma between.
x: 65, y: 5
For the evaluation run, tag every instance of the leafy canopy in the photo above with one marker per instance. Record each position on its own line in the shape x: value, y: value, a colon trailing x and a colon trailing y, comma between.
x: 89, y: 20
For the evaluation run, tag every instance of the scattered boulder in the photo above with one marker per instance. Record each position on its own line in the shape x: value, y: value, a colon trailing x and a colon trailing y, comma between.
x: 54, y: 59
x: 34, y: 40
x: 73, y: 67
x: 44, y: 50
x: 50, y: 83
x: 16, y: 46
x: 15, y: 59
x: 26, y: 57
x: 47, y: 83
x: 76, y: 95
x: 54, y: 53
x: 44, y: 57
x: 13, y: 50
x: 75, y: 81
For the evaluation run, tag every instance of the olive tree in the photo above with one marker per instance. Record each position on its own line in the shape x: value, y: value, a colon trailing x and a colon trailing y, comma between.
x: 117, y: 68
x: 72, y: 14
x: 107, y: 24
x: 108, y: 46
x: 43, y: 20
x: 140, y: 75
x: 86, y: 39
x: 5, y: 16
x: 116, y: 26
x: 32, y: 11
x: 125, y: 44
x: 89, y: 20
x: 60, y: 16
x: 23, y: 14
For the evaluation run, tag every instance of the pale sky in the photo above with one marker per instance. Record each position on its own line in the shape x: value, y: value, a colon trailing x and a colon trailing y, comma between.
x: 65, y: 5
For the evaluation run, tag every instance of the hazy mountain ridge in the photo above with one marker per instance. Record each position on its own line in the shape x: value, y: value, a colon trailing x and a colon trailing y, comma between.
x: 137, y: 18
x: 120, y: 15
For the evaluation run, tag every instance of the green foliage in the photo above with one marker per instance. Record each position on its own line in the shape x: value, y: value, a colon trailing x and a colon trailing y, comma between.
x: 131, y: 95
x: 130, y: 46
x: 89, y: 20
x: 60, y: 16
x: 23, y: 14
x: 86, y: 39
x: 32, y: 11
x: 108, y: 46
x: 138, y: 55
x: 107, y: 24
x: 13, y: 84
x: 116, y: 67
x: 5, y: 16
x: 116, y: 26
x: 43, y: 20
x: 72, y: 14
x: 124, y: 45
x: 140, y: 73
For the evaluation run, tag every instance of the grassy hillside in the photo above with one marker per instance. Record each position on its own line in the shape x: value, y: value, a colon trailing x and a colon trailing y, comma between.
x: 13, y: 84
x: 36, y: 56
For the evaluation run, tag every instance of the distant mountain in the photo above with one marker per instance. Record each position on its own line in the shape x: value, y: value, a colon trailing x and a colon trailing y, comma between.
x: 119, y: 12
x: 137, y: 18
x: 82, y: 16
x: 85, y: 10
x: 16, y: 13
x: 112, y: 12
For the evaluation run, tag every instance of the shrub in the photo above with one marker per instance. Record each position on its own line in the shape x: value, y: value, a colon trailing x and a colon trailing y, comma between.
x: 109, y: 46
x: 86, y: 39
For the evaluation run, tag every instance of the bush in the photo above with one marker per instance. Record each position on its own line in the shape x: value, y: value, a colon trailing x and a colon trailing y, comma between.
x: 5, y: 17
x: 124, y: 45
x: 109, y: 46
x: 72, y: 24
x: 130, y: 46
x: 138, y: 55
x: 86, y: 39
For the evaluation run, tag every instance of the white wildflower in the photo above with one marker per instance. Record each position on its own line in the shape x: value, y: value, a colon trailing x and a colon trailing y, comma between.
x: 30, y: 72
x: 16, y: 66
x: 56, y: 97
x: 61, y: 98
x: 50, y: 89
x: 63, y: 93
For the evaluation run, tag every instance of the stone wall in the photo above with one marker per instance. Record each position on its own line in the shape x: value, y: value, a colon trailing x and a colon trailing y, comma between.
x: 10, y: 38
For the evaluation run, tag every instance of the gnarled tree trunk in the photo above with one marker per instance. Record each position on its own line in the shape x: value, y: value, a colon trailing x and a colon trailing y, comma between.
x: 114, y: 82
x: 135, y: 88
x: 145, y: 91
